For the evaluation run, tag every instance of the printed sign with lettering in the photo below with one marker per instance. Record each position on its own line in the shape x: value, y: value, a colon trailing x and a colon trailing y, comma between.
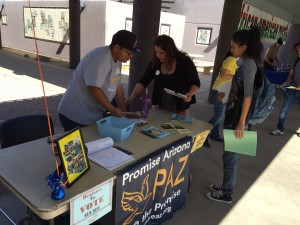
x: 199, y: 140
x: 154, y: 188
x: 271, y: 27
x: 92, y: 204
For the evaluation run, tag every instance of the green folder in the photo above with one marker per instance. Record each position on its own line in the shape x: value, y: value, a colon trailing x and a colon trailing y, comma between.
x: 247, y: 145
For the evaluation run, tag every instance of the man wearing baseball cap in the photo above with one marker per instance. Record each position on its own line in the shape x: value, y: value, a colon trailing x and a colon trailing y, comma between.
x: 292, y: 95
x: 271, y: 58
x: 96, y: 81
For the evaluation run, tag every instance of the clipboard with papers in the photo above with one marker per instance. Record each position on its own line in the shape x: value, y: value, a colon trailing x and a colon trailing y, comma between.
x: 171, y: 92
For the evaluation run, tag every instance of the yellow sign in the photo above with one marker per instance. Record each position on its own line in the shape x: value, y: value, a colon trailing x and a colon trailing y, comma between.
x: 73, y: 155
x: 199, y: 140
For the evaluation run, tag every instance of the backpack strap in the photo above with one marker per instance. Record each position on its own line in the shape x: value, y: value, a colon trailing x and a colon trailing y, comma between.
x: 259, y: 77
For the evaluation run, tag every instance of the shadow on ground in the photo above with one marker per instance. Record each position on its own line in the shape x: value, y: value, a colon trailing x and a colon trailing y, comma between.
x: 34, y: 106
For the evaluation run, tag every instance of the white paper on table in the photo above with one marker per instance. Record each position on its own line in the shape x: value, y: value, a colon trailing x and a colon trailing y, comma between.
x: 103, y: 153
x: 110, y: 158
x: 100, y: 144
x: 225, y: 88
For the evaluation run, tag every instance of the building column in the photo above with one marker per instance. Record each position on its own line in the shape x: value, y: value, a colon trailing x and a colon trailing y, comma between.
x: 229, y: 24
x: 145, y: 24
x: 1, y: 6
x: 74, y: 33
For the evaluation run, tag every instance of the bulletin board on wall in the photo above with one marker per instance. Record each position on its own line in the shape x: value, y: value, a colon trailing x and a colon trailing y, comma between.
x: 50, y: 23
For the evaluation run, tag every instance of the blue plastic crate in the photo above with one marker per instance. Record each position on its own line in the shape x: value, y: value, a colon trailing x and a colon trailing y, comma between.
x: 119, y: 129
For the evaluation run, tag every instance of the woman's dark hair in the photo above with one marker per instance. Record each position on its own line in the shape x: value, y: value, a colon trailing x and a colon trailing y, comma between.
x: 250, y: 38
x: 167, y: 44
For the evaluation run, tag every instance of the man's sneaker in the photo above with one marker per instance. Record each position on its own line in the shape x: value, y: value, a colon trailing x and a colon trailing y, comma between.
x: 219, y: 196
x: 277, y: 132
x: 215, y: 187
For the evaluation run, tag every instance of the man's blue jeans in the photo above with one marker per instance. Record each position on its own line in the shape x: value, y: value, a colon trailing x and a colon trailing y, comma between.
x: 219, y: 110
x: 290, y: 98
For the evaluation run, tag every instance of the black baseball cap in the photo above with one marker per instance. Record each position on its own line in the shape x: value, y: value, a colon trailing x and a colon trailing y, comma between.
x: 126, y: 39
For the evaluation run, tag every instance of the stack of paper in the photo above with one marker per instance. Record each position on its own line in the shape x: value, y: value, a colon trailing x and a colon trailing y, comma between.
x: 104, y: 154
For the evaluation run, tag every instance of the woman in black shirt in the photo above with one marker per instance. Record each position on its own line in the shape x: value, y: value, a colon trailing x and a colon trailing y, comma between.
x: 173, y: 69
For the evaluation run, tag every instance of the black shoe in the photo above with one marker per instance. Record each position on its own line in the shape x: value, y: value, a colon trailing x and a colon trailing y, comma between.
x: 217, y: 139
x: 206, y: 143
x: 219, y: 196
x: 215, y: 187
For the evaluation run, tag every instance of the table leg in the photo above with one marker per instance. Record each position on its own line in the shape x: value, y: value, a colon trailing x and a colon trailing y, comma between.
x: 28, y: 220
x: 51, y: 222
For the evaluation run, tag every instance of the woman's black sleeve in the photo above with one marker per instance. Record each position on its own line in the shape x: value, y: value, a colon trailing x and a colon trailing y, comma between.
x: 192, y: 73
x: 148, y: 75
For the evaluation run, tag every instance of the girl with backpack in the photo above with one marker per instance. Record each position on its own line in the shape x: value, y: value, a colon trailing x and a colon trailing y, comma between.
x: 246, y: 45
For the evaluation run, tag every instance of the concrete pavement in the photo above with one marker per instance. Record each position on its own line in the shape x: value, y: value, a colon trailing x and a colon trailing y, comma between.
x: 267, y: 188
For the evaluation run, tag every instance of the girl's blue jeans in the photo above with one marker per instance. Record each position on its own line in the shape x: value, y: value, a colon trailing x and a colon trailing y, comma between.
x: 219, y: 111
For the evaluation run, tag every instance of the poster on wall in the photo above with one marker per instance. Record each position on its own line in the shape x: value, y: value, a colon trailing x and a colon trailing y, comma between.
x: 271, y: 26
x: 4, y: 19
x: 165, y: 29
x: 203, y: 36
x: 50, y: 24
x: 153, y: 189
x: 128, y: 24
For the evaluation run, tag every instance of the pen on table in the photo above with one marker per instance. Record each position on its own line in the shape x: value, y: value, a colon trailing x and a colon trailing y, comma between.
x: 123, y: 150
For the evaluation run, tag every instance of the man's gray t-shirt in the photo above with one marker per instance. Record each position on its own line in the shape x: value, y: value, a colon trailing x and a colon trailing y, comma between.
x: 96, y: 69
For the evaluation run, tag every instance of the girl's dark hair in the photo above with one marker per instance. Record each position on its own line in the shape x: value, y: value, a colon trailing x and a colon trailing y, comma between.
x: 250, y: 38
x: 229, y: 53
x: 167, y: 44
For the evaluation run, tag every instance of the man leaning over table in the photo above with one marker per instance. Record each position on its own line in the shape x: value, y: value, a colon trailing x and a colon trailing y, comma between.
x: 271, y: 58
x: 96, y: 81
x: 292, y: 94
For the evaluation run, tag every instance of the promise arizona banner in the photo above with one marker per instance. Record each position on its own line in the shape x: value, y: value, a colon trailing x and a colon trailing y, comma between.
x: 151, y: 190
x: 271, y: 26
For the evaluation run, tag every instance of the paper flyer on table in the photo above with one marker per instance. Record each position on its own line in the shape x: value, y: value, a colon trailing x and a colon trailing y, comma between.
x: 225, y: 88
